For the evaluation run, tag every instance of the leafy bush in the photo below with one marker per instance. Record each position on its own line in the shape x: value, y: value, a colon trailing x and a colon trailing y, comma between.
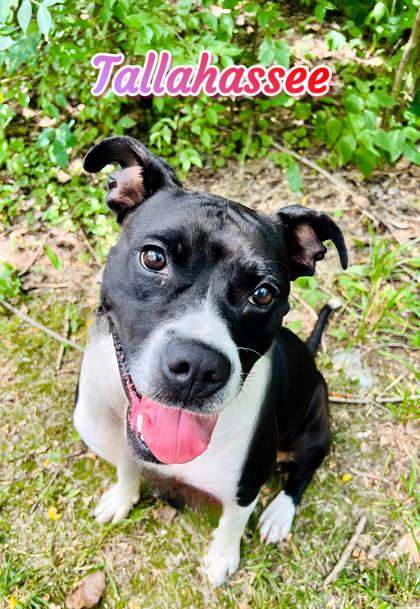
x: 49, y: 117
x: 10, y: 283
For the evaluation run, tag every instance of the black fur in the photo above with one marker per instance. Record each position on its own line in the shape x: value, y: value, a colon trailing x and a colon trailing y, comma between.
x: 294, y: 421
x: 218, y: 247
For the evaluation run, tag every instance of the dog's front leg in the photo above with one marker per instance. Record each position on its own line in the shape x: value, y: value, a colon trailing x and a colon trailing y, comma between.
x: 222, y: 558
x: 100, y: 419
x: 116, y: 503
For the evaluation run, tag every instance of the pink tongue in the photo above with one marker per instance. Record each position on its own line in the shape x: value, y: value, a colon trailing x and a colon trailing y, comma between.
x: 173, y: 434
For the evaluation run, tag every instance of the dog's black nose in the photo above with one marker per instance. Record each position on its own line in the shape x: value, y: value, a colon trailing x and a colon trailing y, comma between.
x: 193, y: 370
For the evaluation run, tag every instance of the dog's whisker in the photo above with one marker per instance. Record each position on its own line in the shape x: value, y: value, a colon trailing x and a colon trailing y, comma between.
x: 249, y: 349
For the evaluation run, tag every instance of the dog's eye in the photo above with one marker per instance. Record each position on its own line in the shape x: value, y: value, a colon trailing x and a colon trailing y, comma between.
x: 263, y: 296
x: 153, y: 258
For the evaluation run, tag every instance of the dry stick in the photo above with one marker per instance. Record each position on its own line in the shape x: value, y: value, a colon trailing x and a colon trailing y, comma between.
x: 49, y: 286
x: 338, y: 182
x: 36, y: 324
x: 347, y: 552
x: 392, y: 384
x: 305, y: 305
x: 89, y: 247
x: 379, y: 400
x: 305, y: 161
x: 35, y: 257
x: 409, y: 47
x: 44, y: 492
x: 60, y: 353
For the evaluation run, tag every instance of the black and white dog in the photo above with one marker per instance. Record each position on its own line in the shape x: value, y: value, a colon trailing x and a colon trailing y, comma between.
x: 188, y: 376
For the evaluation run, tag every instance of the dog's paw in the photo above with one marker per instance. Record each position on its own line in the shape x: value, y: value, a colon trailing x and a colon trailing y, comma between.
x: 115, y: 504
x: 276, y: 520
x: 221, y: 561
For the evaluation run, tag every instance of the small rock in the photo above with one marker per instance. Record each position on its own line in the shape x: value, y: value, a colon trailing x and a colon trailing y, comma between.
x: 377, y: 190
x: 351, y: 363
x: 167, y: 513
x: 28, y: 112
x: 62, y: 176
x: 407, y: 546
x: 361, y: 201
x: 46, y: 121
x: 402, y: 164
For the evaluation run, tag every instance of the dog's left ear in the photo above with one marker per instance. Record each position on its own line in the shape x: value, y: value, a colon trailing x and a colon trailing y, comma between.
x: 141, y: 176
x: 305, y: 230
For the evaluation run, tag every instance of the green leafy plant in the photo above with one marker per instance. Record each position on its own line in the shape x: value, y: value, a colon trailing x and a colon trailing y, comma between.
x: 383, y: 301
x: 48, y: 116
x: 10, y: 284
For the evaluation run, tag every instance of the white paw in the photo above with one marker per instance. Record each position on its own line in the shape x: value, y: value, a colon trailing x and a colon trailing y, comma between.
x: 276, y: 520
x: 221, y: 561
x: 115, y: 504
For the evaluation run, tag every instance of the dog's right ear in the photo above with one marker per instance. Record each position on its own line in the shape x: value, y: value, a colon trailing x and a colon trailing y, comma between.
x: 142, y: 172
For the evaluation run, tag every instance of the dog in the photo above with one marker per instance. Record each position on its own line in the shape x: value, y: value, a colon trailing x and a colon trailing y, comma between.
x: 189, y: 376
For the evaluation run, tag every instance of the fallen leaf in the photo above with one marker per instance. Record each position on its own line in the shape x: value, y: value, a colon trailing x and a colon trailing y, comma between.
x: 53, y: 513
x: 47, y: 122
x: 62, y: 176
x: 88, y: 591
x: 406, y: 545
x: 12, y: 602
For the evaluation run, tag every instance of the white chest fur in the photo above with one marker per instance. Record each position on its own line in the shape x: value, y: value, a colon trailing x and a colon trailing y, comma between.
x: 218, y: 469
x: 100, y: 419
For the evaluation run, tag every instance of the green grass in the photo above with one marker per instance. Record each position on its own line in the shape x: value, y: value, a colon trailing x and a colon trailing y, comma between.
x: 154, y: 564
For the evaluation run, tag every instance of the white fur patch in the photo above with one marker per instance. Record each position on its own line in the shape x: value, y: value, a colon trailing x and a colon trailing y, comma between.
x: 222, y: 558
x: 101, y: 407
x: 217, y: 471
x: 116, y: 503
x: 100, y: 418
x: 204, y: 325
x: 276, y: 520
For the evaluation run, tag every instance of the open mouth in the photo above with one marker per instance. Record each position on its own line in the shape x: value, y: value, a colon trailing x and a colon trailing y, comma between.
x: 162, y: 434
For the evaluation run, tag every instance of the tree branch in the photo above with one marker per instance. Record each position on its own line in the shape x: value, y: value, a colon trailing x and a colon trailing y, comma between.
x: 39, y: 326
x: 411, y: 44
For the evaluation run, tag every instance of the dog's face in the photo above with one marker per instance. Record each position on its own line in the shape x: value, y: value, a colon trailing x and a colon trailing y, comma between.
x: 196, y: 287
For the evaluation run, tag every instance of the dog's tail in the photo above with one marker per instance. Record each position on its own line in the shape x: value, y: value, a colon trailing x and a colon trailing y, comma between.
x: 315, y: 337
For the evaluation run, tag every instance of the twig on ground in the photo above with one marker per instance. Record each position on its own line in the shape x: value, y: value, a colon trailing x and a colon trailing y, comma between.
x: 341, y: 185
x: 39, y: 326
x: 385, y: 346
x: 270, y: 194
x: 338, y: 182
x: 76, y: 454
x: 89, y: 247
x: 305, y: 305
x: 60, y: 353
x: 44, y: 492
x: 347, y: 552
x: 34, y: 258
x: 366, y: 475
x: 392, y: 384
x: 70, y: 371
x: 411, y: 46
x: 46, y: 286
x: 379, y: 400
x: 350, y: 400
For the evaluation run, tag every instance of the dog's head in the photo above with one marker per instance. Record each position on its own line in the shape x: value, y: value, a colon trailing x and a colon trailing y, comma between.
x: 196, y: 288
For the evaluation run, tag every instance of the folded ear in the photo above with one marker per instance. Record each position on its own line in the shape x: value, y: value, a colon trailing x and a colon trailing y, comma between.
x: 305, y: 230
x: 142, y: 172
